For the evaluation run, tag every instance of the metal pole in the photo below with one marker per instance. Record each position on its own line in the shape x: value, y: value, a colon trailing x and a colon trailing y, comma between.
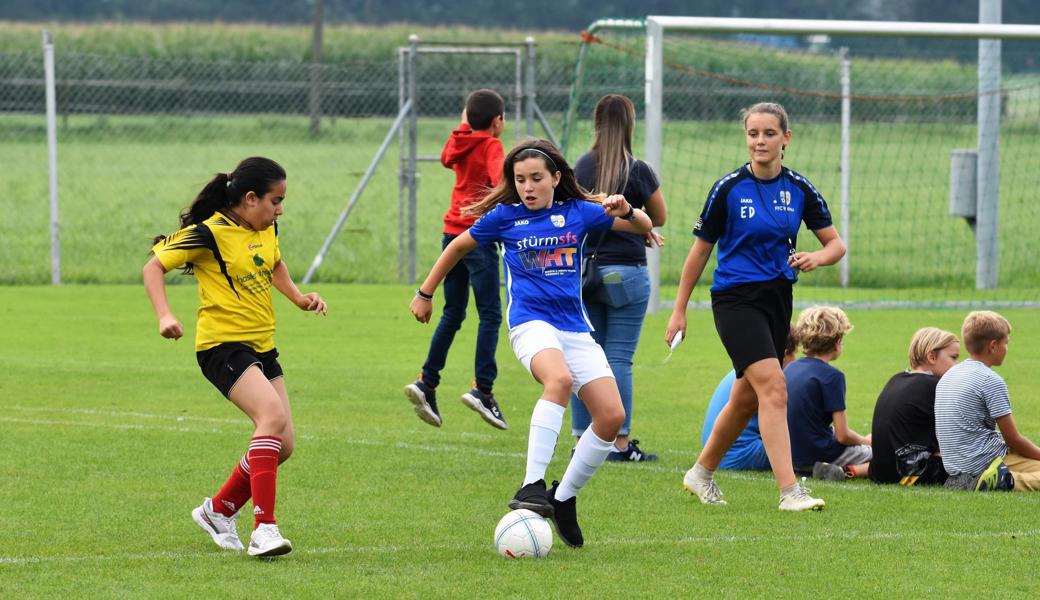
x: 357, y: 193
x: 315, y: 88
x: 529, y: 94
x: 52, y: 155
x: 654, y: 70
x: 518, y: 92
x: 413, y: 152
x: 987, y: 226
x: 846, y: 164
x: 401, y: 91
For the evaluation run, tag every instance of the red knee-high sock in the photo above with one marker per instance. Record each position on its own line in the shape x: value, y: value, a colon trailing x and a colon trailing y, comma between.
x: 263, y: 474
x: 235, y: 492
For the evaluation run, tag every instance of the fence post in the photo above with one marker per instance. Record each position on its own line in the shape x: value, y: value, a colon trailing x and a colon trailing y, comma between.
x: 52, y: 155
x: 529, y: 85
x: 654, y: 70
x: 315, y: 88
x: 987, y: 226
x: 846, y: 164
x: 402, y: 177
x: 413, y: 151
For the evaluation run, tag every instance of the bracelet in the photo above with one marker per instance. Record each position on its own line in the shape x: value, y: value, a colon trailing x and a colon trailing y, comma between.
x: 423, y: 295
x: 631, y: 216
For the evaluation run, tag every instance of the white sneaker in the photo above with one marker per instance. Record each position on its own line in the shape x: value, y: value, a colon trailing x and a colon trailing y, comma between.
x: 222, y: 529
x: 708, y: 491
x: 800, y: 501
x: 268, y: 541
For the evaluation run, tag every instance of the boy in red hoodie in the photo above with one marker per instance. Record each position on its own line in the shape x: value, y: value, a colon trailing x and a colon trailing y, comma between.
x: 475, y: 154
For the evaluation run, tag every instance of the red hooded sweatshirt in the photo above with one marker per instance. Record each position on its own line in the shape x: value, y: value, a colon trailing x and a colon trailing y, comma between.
x: 476, y: 157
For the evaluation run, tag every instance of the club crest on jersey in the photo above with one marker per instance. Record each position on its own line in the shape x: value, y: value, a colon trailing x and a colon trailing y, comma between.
x: 258, y: 260
x: 558, y: 220
x: 785, y: 197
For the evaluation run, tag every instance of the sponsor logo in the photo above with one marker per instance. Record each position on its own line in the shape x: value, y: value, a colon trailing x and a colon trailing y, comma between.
x: 539, y: 260
x: 520, y: 222
x: 746, y: 201
x: 258, y: 260
x: 229, y: 504
x: 255, y: 246
x: 257, y: 510
x: 700, y: 223
x: 565, y: 239
x: 558, y: 220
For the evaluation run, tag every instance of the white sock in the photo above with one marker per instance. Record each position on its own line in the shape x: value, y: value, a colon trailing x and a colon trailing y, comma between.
x: 546, y: 421
x: 589, y: 454
x: 701, y: 473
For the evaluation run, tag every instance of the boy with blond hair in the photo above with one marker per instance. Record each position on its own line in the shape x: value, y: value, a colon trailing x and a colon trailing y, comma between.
x: 972, y: 402
x: 816, y: 400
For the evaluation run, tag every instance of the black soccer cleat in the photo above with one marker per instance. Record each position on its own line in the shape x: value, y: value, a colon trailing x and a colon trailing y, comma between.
x: 565, y: 518
x: 532, y: 497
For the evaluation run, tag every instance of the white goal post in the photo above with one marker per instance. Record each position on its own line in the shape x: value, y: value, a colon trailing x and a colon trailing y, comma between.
x: 989, y: 34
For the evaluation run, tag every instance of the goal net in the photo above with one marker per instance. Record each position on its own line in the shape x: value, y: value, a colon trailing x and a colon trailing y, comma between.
x: 925, y: 153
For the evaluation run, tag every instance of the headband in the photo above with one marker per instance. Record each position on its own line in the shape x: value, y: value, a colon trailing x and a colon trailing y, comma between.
x: 547, y: 157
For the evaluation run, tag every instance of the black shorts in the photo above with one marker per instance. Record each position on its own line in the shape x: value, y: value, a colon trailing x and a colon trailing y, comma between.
x: 223, y: 364
x: 753, y: 320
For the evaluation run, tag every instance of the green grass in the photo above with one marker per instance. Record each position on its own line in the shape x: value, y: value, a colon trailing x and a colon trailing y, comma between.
x: 111, y: 436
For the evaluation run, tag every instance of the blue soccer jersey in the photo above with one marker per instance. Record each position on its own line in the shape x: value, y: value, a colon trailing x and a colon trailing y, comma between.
x: 542, y: 257
x: 755, y: 224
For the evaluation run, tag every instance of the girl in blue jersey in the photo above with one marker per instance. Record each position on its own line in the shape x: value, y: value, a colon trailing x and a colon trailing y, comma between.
x: 541, y: 216
x: 753, y: 214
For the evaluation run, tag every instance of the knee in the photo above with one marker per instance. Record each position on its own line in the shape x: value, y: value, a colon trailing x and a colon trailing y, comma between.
x: 612, y: 419
x: 560, y: 386
x: 288, y: 446
x: 453, y: 318
x: 273, y: 421
x: 773, y: 396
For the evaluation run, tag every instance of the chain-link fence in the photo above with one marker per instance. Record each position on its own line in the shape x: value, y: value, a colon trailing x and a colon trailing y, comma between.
x: 138, y: 137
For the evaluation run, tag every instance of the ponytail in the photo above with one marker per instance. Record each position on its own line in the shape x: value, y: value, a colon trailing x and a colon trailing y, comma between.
x: 255, y: 174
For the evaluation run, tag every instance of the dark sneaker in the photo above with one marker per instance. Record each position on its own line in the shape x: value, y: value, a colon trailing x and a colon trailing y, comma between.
x: 828, y: 472
x: 532, y: 497
x: 486, y: 406
x: 995, y: 477
x: 424, y: 399
x: 565, y: 518
x: 632, y: 454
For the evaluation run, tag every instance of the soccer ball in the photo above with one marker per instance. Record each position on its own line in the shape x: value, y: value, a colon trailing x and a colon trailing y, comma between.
x: 523, y: 534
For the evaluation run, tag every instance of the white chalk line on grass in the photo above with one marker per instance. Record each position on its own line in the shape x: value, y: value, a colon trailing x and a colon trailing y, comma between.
x: 440, y: 448
x: 852, y: 536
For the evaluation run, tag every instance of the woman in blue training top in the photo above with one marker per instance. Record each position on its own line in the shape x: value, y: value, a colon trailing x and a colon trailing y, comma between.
x: 753, y: 214
x: 541, y: 216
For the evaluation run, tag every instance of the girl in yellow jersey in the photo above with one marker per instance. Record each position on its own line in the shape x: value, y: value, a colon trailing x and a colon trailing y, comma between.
x: 229, y: 240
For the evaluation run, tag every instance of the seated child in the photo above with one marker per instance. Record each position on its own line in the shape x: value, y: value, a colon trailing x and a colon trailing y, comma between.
x: 903, y: 429
x: 816, y: 399
x: 972, y: 402
x: 747, y: 453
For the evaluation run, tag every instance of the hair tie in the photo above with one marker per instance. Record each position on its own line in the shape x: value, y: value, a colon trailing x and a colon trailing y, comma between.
x: 547, y: 157
x: 228, y: 179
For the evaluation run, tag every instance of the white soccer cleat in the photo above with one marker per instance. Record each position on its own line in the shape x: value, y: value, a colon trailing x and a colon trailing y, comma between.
x: 268, y: 541
x: 801, y: 501
x: 222, y: 529
x: 708, y: 491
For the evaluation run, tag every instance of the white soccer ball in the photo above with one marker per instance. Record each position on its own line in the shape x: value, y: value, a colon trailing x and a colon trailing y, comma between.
x: 523, y: 534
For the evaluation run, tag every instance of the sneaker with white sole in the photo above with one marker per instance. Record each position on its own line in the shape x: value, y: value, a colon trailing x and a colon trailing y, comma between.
x: 828, y: 472
x: 708, y: 491
x: 424, y: 399
x: 801, y: 501
x: 486, y: 406
x: 222, y: 529
x: 268, y: 541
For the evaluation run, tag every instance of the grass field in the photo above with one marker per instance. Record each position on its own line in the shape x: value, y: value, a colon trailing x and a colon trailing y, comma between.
x: 111, y: 436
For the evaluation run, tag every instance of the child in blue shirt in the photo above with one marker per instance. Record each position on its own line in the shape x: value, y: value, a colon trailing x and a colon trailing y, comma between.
x: 816, y: 399
x: 541, y: 216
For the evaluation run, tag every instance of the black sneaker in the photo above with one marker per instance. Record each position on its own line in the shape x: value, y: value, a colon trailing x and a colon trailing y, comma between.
x: 565, y: 518
x: 632, y: 454
x: 424, y: 398
x: 532, y: 497
x: 486, y: 406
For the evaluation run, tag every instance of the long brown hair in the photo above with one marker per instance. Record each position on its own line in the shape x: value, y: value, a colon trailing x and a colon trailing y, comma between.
x: 614, y: 119
x: 505, y: 192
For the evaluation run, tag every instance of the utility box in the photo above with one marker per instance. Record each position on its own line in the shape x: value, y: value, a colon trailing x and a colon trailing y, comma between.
x: 964, y: 183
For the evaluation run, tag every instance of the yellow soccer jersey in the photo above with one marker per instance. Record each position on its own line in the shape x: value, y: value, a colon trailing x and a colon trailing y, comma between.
x: 233, y: 266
